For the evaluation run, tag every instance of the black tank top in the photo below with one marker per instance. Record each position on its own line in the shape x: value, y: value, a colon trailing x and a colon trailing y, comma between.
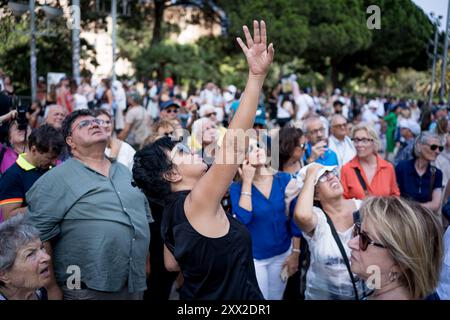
x: 213, y: 268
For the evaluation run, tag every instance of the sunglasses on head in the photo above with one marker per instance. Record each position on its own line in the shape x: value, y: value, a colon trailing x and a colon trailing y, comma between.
x: 364, y: 239
x: 433, y: 147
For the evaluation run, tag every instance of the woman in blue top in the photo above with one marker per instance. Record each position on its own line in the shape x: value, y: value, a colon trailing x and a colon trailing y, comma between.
x: 261, y: 201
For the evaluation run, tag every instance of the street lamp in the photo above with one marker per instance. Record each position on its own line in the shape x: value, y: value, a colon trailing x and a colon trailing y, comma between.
x: 436, y: 23
x: 444, y: 59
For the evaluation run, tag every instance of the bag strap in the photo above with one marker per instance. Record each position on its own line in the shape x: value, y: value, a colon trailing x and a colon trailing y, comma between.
x: 343, y: 253
x: 432, y: 180
x: 361, y: 180
x: 2, y: 153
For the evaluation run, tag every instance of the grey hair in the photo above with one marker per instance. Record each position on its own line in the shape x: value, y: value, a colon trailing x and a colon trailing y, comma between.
x: 422, y: 139
x: 47, y: 109
x: 14, y: 234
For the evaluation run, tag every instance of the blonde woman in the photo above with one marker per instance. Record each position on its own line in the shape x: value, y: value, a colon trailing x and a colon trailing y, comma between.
x: 404, y: 241
x: 368, y: 173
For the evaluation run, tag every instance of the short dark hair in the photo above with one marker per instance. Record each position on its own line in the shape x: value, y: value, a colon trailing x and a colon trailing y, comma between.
x: 66, y: 127
x: 99, y: 112
x: 288, y: 140
x: 150, y: 165
x: 46, y: 139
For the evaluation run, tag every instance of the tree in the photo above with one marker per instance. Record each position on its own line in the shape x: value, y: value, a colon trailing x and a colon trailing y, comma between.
x: 337, y: 30
x: 400, y: 43
x: 53, y: 53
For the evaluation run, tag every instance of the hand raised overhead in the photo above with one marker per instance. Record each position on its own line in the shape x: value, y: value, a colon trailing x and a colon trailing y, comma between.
x: 259, y: 56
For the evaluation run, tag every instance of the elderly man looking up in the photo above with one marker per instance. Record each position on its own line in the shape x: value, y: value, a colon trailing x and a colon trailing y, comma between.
x: 339, y: 142
x: 317, y: 148
x: 55, y: 115
x: 93, y: 217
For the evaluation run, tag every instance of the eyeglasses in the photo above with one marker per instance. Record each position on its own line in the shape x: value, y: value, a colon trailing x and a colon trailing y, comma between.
x: 317, y: 131
x: 342, y: 125
x: 88, y: 122
x: 363, y: 140
x: 107, y: 123
x: 172, y: 110
x: 211, y: 114
x: 328, y: 175
x: 433, y: 147
x: 364, y: 239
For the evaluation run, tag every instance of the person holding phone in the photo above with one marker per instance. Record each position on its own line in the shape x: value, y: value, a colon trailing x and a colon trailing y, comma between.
x: 261, y: 200
x: 317, y: 148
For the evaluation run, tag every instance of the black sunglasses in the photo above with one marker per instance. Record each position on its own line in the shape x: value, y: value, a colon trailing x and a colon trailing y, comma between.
x: 364, y: 239
x: 433, y: 147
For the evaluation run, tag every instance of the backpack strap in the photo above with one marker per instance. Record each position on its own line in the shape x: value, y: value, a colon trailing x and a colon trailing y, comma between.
x: 361, y: 180
x: 2, y: 153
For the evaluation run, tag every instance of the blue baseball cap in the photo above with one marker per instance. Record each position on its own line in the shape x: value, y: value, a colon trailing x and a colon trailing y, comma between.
x: 167, y: 104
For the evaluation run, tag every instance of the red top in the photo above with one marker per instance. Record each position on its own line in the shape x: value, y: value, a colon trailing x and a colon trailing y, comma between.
x: 383, y: 183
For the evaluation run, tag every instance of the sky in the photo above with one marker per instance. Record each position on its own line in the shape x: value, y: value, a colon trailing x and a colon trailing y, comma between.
x: 439, y: 7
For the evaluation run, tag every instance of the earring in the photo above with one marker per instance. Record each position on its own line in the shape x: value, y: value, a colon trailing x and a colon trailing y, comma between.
x: 393, y: 276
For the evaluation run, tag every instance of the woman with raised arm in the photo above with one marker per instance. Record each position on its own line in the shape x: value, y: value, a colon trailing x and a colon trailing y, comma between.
x: 212, y: 250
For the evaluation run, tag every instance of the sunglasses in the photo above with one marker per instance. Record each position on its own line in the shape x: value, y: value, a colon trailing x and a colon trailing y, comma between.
x: 180, y: 147
x: 168, y: 134
x: 211, y: 114
x: 342, y: 125
x: 364, y: 239
x: 328, y: 175
x: 172, y: 110
x: 433, y: 147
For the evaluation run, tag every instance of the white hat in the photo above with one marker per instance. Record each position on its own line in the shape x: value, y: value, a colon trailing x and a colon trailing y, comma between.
x: 323, y: 169
x: 232, y: 89
x: 373, y: 104
x: 411, y: 125
x: 205, y: 109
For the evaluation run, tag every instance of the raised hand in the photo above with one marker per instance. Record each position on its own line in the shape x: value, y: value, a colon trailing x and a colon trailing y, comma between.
x: 259, y: 56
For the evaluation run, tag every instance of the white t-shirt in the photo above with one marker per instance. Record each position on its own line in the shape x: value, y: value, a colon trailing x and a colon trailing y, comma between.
x: 443, y: 289
x: 80, y: 102
x: 327, y: 277
x: 125, y: 155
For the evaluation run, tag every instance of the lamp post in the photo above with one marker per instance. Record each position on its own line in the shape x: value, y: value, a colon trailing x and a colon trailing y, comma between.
x: 114, y: 37
x: 76, y: 41
x: 33, y: 51
x: 433, y: 70
x: 444, y: 60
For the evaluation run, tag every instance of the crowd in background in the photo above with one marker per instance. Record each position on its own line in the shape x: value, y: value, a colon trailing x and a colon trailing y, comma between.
x: 335, y: 151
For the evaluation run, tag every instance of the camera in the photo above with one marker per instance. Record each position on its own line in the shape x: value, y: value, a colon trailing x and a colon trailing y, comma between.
x: 22, y: 121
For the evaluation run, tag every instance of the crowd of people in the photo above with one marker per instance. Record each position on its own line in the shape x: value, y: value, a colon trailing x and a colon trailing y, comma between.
x: 128, y: 191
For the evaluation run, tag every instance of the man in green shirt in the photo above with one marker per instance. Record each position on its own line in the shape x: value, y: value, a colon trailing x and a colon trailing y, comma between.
x: 94, y: 222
